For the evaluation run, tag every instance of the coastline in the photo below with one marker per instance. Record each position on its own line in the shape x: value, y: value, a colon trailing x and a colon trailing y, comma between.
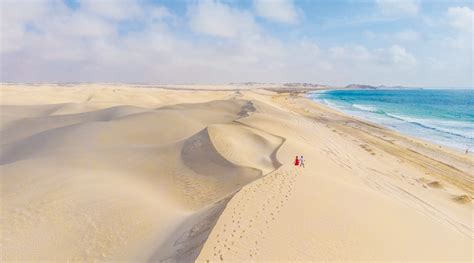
x: 419, y: 127
x: 441, y: 153
x: 358, y: 177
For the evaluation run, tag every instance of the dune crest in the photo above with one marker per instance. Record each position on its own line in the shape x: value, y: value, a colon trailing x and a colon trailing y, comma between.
x: 123, y: 155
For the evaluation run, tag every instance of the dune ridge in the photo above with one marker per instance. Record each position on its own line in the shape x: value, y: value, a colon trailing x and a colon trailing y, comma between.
x: 186, y: 173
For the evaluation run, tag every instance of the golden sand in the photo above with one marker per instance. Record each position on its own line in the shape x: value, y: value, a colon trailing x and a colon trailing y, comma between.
x: 115, y: 172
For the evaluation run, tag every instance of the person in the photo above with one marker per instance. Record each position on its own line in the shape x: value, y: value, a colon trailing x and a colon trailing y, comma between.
x: 297, y: 162
x: 301, y: 161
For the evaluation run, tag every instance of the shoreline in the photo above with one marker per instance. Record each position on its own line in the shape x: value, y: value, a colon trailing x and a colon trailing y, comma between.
x: 419, y: 137
x: 216, y: 153
x: 305, y: 106
x: 430, y: 149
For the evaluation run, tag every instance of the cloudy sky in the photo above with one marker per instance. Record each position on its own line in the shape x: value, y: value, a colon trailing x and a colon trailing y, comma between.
x: 338, y: 42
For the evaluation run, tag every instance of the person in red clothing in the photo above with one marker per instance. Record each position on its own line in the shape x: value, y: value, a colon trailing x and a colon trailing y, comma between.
x: 297, y: 161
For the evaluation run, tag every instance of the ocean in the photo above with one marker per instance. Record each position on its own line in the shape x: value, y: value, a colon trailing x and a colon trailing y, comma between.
x: 442, y: 116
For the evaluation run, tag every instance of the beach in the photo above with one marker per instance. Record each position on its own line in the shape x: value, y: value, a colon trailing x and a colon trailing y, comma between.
x: 180, y: 173
x: 442, y: 116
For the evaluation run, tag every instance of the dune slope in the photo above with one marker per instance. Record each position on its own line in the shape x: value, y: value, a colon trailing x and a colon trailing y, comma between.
x: 123, y: 183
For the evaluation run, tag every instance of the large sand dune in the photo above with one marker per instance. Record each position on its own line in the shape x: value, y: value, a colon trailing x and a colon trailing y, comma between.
x: 177, y: 163
x: 150, y: 174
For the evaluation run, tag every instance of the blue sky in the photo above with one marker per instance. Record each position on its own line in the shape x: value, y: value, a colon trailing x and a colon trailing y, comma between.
x: 391, y: 42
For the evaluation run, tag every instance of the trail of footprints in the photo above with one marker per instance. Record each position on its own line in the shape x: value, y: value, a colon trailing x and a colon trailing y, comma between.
x: 262, y: 202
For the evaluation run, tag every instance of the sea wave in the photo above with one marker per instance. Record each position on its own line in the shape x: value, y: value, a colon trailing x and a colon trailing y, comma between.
x: 457, y: 132
x: 456, y: 128
x: 316, y: 94
x: 370, y: 108
x: 330, y: 104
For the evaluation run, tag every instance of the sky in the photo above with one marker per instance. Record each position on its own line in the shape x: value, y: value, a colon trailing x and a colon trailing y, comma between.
x: 413, y: 43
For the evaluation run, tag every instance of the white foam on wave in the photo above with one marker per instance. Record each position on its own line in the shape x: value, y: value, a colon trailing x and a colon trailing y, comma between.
x: 459, y: 128
x: 370, y: 108
x: 457, y: 135
x: 453, y: 133
x: 331, y: 104
x: 316, y: 94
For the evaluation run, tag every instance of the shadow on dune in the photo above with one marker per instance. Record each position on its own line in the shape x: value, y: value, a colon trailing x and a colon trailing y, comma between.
x: 190, y: 157
x: 199, y: 153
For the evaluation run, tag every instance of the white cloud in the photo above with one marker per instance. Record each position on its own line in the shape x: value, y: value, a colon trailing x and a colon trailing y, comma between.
x: 399, y: 56
x: 77, y: 25
x: 461, y: 18
x: 400, y: 36
x: 369, y: 34
x: 395, y: 56
x: 116, y: 10
x: 282, y: 11
x: 399, y: 7
x: 14, y: 18
x: 53, y: 43
x: 407, y: 36
x: 217, y: 19
x: 350, y: 53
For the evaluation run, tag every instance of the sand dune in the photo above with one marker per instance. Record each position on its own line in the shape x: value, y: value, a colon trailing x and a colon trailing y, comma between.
x: 227, y: 138
x: 122, y: 173
x: 176, y: 162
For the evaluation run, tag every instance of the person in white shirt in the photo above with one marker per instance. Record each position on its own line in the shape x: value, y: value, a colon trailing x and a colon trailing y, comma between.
x: 301, y: 161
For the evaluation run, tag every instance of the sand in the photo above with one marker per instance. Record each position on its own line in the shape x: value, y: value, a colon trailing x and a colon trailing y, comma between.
x: 205, y: 173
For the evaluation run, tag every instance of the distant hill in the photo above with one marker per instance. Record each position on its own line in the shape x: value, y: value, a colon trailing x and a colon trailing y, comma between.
x: 362, y: 86
x: 305, y: 85
x: 359, y: 86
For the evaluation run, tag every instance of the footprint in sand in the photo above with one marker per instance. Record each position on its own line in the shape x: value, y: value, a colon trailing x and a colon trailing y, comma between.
x: 462, y: 199
x: 435, y: 184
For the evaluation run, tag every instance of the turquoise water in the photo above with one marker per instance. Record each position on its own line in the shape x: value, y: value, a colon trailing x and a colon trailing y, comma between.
x: 442, y: 116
